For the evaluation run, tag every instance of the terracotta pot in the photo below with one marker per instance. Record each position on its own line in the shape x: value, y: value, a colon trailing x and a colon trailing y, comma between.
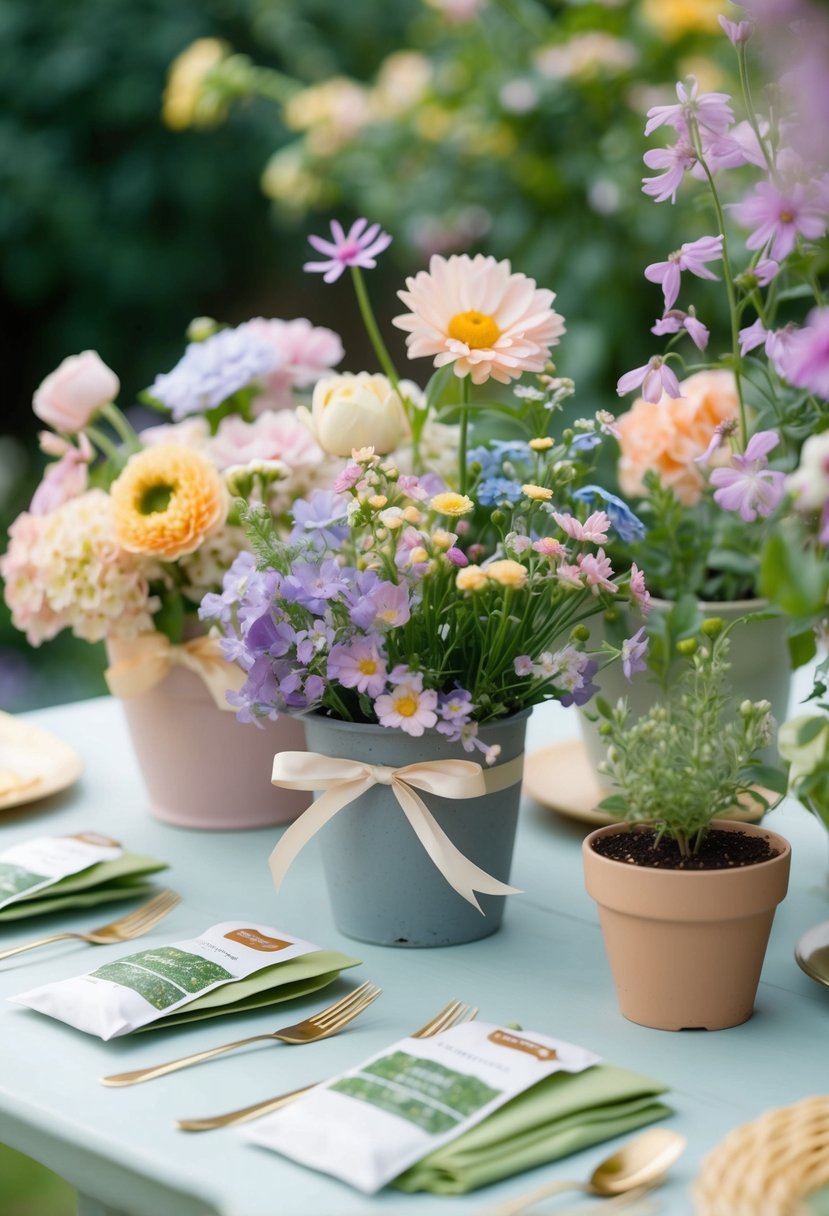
x: 686, y: 947
x: 201, y: 767
x: 759, y: 658
x: 383, y: 886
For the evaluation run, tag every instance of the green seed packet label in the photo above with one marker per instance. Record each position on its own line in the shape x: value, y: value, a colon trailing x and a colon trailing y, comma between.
x: 157, y: 991
x: 165, y: 975
x: 14, y: 879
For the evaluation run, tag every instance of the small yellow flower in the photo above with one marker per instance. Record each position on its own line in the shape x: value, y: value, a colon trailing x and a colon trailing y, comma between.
x: 471, y: 578
x: 392, y: 518
x: 418, y: 555
x: 541, y: 445
x: 184, y: 103
x: 412, y: 515
x: 508, y: 573
x: 443, y: 540
x: 166, y: 501
x: 537, y: 493
x: 362, y: 455
x: 452, y: 504
x: 378, y: 501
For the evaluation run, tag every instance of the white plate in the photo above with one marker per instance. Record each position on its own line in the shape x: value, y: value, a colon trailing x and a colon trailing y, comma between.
x: 562, y: 779
x: 33, y: 763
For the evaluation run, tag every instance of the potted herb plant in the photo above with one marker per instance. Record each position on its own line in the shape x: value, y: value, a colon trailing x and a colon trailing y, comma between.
x: 687, y: 897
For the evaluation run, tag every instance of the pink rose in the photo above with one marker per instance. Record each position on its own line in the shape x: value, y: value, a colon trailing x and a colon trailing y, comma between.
x: 274, y: 435
x: 70, y: 397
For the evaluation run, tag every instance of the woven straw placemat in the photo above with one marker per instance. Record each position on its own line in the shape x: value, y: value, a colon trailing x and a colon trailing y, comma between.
x: 766, y: 1167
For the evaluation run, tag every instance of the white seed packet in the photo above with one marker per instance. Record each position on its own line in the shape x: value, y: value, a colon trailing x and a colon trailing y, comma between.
x: 35, y: 864
x: 368, y: 1125
x: 135, y: 990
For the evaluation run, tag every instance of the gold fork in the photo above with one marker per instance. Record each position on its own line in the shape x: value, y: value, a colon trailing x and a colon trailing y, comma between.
x: 452, y: 1015
x: 141, y: 920
x: 319, y: 1025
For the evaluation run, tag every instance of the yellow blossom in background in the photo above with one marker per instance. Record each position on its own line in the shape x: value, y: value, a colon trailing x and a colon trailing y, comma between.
x: 412, y: 515
x: 332, y: 113
x: 378, y: 501
x: 181, y: 105
x: 472, y: 578
x: 508, y: 573
x: 452, y: 504
x: 287, y: 180
x: 417, y: 555
x: 672, y: 19
x: 443, y: 540
x: 434, y: 122
x: 537, y: 493
x: 166, y: 501
x: 541, y: 445
x: 401, y: 84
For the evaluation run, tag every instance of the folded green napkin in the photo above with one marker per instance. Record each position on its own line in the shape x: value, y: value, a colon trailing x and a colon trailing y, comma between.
x: 563, y: 1114
x: 108, y: 880
x: 282, y: 982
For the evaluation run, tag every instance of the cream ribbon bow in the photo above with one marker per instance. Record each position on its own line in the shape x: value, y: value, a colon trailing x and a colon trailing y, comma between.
x: 140, y: 664
x: 344, y: 780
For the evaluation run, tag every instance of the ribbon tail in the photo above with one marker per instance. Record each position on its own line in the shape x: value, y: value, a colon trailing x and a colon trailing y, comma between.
x: 132, y: 677
x: 309, y: 823
x: 462, y: 874
x: 219, y: 677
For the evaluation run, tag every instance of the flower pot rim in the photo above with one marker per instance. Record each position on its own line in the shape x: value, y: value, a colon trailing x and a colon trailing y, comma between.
x: 758, y: 604
x: 387, y: 731
x: 737, y: 825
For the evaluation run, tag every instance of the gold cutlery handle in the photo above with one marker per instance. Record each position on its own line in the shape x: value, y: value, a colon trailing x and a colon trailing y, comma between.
x: 160, y: 1070
x: 512, y: 1207
x: 41, y: 941
x: 244, y: 1114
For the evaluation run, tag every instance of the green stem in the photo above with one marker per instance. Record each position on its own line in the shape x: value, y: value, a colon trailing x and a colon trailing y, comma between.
x: 106, y: 446
x: 464, y: 436
x: 121, y: 426
x: 752, y: 117
x: 372, y: 329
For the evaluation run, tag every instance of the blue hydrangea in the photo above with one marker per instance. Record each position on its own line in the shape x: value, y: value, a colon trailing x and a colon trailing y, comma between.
x: 628, y: 526
x: 493, y: 490
x: 211, y: 371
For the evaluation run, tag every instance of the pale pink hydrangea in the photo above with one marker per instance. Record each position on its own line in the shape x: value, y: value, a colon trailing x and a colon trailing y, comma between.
x: 305, y: 352
x: 203, y: 570
x: 65, y: 570
x: 274, y: 435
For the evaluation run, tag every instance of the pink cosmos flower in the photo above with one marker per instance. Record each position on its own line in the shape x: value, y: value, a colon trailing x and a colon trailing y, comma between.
x: 639, y: 593
x: 569, y: 575
x: 737, y: 31
x: 408, y: 707
x: 594, y: 529
x: 476, y: 314
x: 779, y: 215
x: 597, y: 571
x: 710, y: 111
x: 358, y: 247
x: 749, y: 486
x: 633, y: 654
x: 690, y: 256
x: 358, y: 665
x: 807, y: 361
x: 655, y: 377
x: 675, y: 320
x: 65, y: 479
x: 676, y: 161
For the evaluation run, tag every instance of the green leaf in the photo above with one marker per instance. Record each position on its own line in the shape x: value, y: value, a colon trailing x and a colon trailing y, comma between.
x: 614, y: 805
x: 794, y: 579
x: 684, y: 618
x: 603, y: 706
x: 169, y: 619
x: 810, y: 730
x: 437, y: 386
x: 802, y: 647
x: 767, y: 775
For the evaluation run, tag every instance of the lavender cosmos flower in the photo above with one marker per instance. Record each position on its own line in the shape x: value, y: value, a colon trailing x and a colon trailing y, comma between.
x: 211, y: 371
x: 386, y: 605
x: 749, y: 486
x: 710, y: 111
x: 737, y: 31
x: 690, y: 256
x: 807, y: 362
x: 359, y: 665
x: 321, y: 517
x: 655, y: 377
x: 676, y: 161
x: 634, y: 651
x: 628, y: 526
x: 675, y: 319
x: 358, y: 247
x: 779, y: 215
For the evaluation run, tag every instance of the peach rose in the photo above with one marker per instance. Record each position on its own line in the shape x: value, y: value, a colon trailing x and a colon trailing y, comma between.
x: 73, y: 393
x: 668, y: 435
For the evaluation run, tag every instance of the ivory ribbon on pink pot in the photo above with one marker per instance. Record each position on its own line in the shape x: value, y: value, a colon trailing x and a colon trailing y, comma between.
x: 144, y: 662
x: 343, y: 781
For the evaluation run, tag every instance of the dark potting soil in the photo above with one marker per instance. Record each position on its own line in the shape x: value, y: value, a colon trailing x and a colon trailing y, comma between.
x: 718, y: 851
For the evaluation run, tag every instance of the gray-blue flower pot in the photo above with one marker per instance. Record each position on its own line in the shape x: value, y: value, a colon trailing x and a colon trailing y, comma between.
x: 382, y: 884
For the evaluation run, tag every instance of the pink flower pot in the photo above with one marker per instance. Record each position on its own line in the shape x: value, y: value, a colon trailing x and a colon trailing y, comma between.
x: 201, y: 767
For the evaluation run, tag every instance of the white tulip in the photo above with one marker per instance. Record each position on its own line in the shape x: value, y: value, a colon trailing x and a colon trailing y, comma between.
x: 355, y: 411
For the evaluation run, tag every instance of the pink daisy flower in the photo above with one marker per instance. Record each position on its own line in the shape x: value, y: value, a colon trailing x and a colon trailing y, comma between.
x: 476, y: 314
x: 639, y: 593
x: 594, y: 529
x: 359, y: 666
x: 778, y: 216
x: 597, y: 571
x: 408, y: 707
x: 357, y: 247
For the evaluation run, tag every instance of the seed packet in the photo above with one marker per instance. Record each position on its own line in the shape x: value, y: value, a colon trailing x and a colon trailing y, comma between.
x: 28, y: 868
x: 127, y: 993
x: 370, y: 1124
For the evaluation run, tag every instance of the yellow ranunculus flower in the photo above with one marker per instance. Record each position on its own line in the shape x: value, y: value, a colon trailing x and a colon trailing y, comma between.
x: 541, y: 445
x: 508, y: 573
x: 471, y: 578
x: 452, y: 504
x: 537, y: 493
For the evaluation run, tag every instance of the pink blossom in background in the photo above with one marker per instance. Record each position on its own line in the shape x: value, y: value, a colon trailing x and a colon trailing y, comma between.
x: 191, y: 432
x: 752, y: 336
x: 749, y: 486
x: 710, y: 111
x: 597, y: 571
x: 639, y: 593
x: 547, y: 546
x: 690, y: 256
x: 357, y: 247
x: 594, y: 529
x: 274, y: 435
x: 779, y: 215
x: 807, y: 359
x: 457, y: 557
x: 71, y: 395
x: 721, y: 432
x: 65, y: 479
x: 676, y: 161
x: 349, y: 477
x: 655, y: 377
x: 674, y: 320
x: 766, y: 270
x: 305, y: 353
x: 570, y: 575
x: 737, y: 31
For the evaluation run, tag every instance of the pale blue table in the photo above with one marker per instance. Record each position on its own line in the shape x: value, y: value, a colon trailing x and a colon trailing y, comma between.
x: 545, y: 969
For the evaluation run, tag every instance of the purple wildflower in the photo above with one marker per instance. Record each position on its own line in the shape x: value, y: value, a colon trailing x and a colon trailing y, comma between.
x: 358, y: 665
x: 766, y: 270
x: 386, y: 605
x: 724, y: 430
x: 674, y: 320
x: 737, y: 31
x: 523, y: 665
x: 211, y: 371
x: 749, y: 486
x: 312, y: 586
x: 456, y: 556
x: 634, y: 651
x: 655, y: 377
x: 358, y: 247
x: 313, y: 641
x: 779, y: 215
x: 676, y: 161
x: 690, y: 256
x: 270, y: 635
x: 807, y: 361
x: 349, y: 477
x: 455, y: 710
x: 752, y: 336
x: 321, y: 518
x: 710, y: 111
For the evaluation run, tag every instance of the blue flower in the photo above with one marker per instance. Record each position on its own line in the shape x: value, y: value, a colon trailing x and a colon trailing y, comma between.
x: 628, y: 526
x: 211, y: 371
x: 498, y: 489
x: 585, y: 442
x: 321, y: 518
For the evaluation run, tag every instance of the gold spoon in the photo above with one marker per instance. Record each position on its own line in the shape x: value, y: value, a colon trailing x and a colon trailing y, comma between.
x: 639, y: 1163
x: 812, y: 953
